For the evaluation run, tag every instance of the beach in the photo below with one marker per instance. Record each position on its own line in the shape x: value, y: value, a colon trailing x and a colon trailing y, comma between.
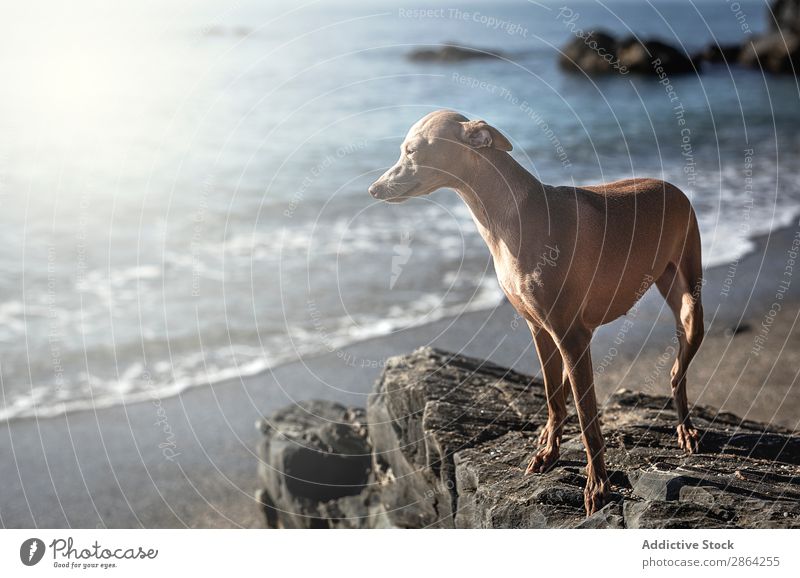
x: 216, y: 228
x: 190, y: 460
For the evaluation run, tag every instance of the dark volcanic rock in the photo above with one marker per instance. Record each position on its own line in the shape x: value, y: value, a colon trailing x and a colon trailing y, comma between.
x: 643, y: 57
x: 777, y: 52
x: 716, y: 54
x: 451, y: 437
x: 786, y: 15
x: 430, y: 405
x: 595, y: 54
x: 601, y: 53
x: 314, y: 454
x: 452, y: 52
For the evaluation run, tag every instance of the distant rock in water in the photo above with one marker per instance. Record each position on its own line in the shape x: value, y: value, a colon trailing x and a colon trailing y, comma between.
x: 598, y: 53
x: 716, y: 54
x: 776, y: 51
x: 787, y: 15
x: 644, y: 57
x: 448, y: 439
x: 452, y: 52
x: 595, y: 54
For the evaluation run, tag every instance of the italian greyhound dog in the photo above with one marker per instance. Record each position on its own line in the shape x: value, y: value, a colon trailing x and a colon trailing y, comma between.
x: 603, y: 246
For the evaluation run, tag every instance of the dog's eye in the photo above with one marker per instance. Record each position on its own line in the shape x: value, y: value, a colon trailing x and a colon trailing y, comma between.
x: 410, y: 151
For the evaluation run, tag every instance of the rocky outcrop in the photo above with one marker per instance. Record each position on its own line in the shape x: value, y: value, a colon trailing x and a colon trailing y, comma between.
x: 449, y: 439
x: 784, y: 15
x: 451, y: 52
x: 719, y: 54
x: 646, y: 56
x: 777, y: 52
x: 315, y: 463
x: 427, y: 408
x: 597, y: 53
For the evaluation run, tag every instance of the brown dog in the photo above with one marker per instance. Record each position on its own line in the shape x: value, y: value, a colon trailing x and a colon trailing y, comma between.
x: 569, y: 260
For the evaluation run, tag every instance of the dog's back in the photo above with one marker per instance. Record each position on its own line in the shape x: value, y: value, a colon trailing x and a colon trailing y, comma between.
x: 627, y: 234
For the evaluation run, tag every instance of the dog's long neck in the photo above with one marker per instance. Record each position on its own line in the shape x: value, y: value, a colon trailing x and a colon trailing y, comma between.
x: 496, y: 188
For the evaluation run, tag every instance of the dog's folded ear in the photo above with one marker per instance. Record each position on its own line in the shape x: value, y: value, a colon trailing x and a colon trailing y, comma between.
x: 479, y: 134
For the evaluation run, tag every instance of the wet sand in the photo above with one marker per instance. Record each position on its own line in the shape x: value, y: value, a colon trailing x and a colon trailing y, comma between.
x: 189, y: 460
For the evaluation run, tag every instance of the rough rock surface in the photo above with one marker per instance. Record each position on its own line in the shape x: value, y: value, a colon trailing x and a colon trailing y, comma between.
x: 450, y: 438
x: 428, y: 407
x: 314, y: 466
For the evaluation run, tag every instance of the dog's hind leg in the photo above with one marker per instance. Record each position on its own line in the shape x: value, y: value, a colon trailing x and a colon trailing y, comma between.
x: 555, y: 384
x: 680, y: 285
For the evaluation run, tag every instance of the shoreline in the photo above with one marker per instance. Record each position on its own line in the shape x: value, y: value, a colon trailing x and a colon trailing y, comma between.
x: 352, y: 355
x: 189, y: 459
x: 345, y: 352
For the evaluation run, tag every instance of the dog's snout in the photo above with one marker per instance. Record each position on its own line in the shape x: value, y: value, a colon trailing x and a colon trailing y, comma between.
x: 373, y: 190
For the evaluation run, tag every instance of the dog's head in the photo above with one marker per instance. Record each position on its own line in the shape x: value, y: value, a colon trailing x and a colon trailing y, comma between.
x: 437, y: 152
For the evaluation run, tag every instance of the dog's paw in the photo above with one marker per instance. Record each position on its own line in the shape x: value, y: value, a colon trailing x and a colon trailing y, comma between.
x: 595, y: 496
x: 688, y: 438
x: 543, y: 461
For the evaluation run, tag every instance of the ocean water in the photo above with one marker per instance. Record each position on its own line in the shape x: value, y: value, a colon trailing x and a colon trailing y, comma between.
x: 184, y: 186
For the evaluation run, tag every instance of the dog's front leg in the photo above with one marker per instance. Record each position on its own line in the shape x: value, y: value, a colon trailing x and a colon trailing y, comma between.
x: 574, y: 346
x: 550, y: 360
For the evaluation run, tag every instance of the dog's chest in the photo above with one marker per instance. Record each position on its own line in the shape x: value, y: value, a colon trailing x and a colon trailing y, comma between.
x: 523, y: 281
x: 526, y: 284
x: 509, y: 278
x: 518, y: 286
